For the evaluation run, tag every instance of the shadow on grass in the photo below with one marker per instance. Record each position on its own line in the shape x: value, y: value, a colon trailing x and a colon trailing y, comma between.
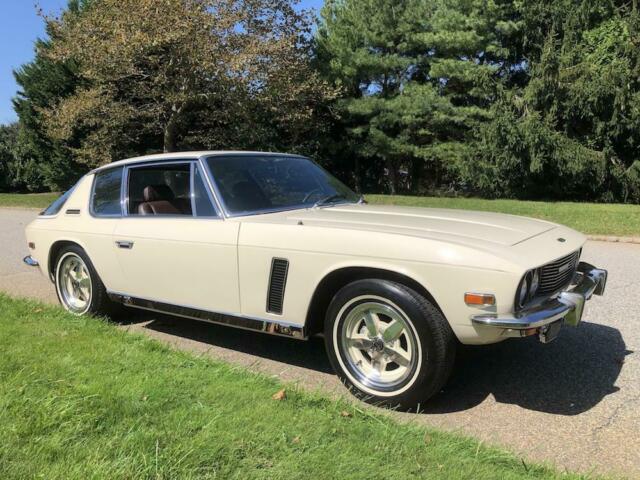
x: 567, y: 377
x: 307, y: 354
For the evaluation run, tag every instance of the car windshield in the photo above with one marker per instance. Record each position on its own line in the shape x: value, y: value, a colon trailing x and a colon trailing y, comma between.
x: 262, y: 183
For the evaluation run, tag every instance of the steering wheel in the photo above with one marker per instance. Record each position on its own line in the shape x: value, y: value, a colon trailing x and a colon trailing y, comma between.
x: 308, y: 195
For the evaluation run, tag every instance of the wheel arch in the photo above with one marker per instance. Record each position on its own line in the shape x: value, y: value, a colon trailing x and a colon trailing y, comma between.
x: 332, y: 282
x: 54, y: 251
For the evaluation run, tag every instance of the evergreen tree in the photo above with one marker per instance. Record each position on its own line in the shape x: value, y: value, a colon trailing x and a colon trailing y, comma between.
x: 8, y: 163
x: 572, y: 130
x: 43, y: 83
x: 418, y: 79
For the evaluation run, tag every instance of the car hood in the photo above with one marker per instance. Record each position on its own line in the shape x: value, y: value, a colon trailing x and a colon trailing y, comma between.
x: 459, y: 226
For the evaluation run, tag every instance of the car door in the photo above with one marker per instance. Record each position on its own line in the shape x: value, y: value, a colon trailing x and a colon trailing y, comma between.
x: 173, y: 244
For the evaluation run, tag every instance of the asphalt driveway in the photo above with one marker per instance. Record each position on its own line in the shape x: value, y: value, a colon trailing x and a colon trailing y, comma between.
x: 574, y: 403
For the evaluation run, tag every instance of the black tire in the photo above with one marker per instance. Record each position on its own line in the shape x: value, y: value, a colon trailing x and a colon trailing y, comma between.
x: 98, y: 302
x: 433, y: 346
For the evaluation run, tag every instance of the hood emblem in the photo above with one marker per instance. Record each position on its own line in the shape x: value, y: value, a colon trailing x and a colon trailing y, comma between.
x: 561, y: 240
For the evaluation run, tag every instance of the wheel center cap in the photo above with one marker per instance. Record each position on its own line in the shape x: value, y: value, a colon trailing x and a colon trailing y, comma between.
x: 378, y: 344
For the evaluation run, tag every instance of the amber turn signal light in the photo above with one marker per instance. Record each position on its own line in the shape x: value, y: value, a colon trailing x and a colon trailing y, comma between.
x: 479, y: 299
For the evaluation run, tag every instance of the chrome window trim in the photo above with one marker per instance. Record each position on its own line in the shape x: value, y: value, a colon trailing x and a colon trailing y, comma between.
x: 92, y: 193
x: 137, y: 165
x: 249, y: 213
x: 144, y: 159
x: 192, y: 189
x: 212, y: 187
x: 124, y: 197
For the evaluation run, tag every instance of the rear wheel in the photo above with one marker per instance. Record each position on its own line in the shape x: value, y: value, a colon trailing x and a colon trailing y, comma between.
x: 389, y: 344
x: 78, y: 286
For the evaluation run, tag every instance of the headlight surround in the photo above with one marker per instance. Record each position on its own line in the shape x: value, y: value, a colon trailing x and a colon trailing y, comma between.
x: 535, y: 283
x: 527, y: 288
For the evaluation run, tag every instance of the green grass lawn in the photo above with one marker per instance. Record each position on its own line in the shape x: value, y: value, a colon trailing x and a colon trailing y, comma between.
x: 589, y: 218
x: 80, y: 398
x: 27, y: 200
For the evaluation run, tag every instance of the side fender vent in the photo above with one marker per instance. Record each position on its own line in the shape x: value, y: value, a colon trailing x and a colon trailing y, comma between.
x: 277, y: 284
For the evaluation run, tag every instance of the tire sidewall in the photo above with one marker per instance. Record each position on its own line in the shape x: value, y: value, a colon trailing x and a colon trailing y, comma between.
x: 411, y: 391
x: 76, y: 252
x: 338, y: 325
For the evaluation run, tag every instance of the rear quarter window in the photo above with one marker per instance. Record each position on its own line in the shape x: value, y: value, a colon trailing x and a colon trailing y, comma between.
x: 57, y: 205
x: 105, y: 196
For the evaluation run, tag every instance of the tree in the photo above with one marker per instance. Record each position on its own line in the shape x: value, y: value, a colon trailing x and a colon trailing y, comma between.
x: 8, y: 163
x: 572, y: 129
x: 419, y: 78
x: 43, y: 83
x: 160, y: 74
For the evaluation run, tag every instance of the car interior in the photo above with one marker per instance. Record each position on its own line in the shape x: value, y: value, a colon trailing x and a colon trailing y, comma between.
x: 160, y: 190
x: 242, y: 193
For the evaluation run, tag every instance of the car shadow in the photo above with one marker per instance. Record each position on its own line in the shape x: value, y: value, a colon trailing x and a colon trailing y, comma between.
x: 566, y: 377
x: 307, y: 354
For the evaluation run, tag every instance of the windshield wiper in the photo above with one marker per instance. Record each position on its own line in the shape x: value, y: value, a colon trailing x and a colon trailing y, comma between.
x: 329, y: 200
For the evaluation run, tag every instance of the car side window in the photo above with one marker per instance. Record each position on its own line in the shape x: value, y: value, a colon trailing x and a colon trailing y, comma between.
x: 57, y: 205
x: 160, y: 190
x: 168, y: 189
x: 105, y: 199
x: 201, y: 198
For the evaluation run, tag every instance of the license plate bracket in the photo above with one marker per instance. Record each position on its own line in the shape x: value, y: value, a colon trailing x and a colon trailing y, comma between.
x: 549, y: 333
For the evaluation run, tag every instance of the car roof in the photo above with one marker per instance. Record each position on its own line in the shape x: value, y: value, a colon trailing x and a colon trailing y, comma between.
x: 161, y: 157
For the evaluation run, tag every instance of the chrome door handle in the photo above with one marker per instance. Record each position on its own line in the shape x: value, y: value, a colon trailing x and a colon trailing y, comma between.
x: 124, y: 244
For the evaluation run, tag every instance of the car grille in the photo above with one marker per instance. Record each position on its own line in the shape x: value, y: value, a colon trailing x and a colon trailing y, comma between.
x: 557, y: 274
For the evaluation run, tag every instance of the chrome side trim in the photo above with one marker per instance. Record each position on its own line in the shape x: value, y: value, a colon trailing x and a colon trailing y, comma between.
x: 29, y: 260
x: 272, y: 327
x: 569, y: 304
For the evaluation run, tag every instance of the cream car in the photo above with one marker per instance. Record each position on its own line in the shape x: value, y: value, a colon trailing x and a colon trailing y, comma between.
x: 273, y: 243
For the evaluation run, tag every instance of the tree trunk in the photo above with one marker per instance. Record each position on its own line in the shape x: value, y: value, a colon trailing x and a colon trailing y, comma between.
x: 357, y: 179
x: 171, y: 134
x: 393, y: 177
x: 416, y: 174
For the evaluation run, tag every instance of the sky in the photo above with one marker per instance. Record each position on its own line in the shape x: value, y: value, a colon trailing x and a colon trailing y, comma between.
x: 20, y: 26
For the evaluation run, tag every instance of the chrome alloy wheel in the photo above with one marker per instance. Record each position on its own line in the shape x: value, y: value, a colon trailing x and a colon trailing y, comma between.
x: 378, y: 346
x: 74, y: 283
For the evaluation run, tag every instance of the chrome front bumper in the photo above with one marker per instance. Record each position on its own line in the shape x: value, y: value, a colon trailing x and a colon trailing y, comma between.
x: 567, y: 305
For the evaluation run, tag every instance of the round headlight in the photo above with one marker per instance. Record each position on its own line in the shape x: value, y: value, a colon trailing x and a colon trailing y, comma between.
x: 535, y: 282
x: 523, y: 291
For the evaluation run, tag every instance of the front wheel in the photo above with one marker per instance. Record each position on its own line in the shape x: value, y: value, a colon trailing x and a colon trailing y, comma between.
x: 389, y: 345
x: 78, y: 286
